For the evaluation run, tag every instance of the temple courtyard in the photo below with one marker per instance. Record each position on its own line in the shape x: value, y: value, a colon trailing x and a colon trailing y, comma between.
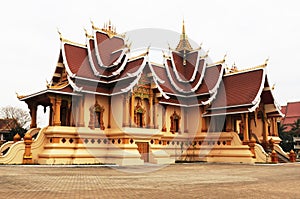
x: 193, y: 180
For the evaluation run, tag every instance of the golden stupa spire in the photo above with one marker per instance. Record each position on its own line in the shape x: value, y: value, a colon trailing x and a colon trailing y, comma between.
x: 183, y: 30
x: 184, y: 45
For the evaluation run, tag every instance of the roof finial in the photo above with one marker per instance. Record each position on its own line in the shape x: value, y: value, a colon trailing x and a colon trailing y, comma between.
x: 225, y: 56
x: 184, y: 44
x: 148, y: 49
x: 266, y: 61
x: 109, y: 25
x: 60, y: 35
x: 93, y: 25
x: 183, y: 27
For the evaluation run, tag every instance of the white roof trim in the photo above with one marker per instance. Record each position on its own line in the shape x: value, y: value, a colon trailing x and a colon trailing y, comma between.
x: 132, y: 84
x: 99, y: 60
x: 76, y: 88
x: 257, y: 98
x: 65, y: 61
x: 214, y: 91
x: 231, y: 113
x: 255, y: 106
x: 91, y: 58
x: 157, y: 80
x: 121, y: 68
x: 48, y: 91
x: 232, y: 106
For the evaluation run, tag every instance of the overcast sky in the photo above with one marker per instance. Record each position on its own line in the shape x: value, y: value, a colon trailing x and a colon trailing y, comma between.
x: 248, y: 31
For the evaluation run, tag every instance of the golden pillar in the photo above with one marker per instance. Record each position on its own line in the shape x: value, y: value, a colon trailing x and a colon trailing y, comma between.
x: 275, y: 127
x: 246, y: 128
x: 151, y: 111
x: 109, y: 113
x: 50, y: 115
x: 265, y: 128
x: 203, y: 120
x: 155, y: 113
x: 132, y: 110
x: 185, y: 120
x: 229, y: 124
x: 80, y: 121
x: 57, y: 111
x: 33, y: 109
x: 125, y: 110
x: 164, y: 117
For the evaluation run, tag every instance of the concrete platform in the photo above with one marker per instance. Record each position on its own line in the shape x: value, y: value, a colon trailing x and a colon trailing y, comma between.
x: 198, y: 180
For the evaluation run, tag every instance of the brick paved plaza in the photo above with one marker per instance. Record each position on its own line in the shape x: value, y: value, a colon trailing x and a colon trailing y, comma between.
x: 174, y: 181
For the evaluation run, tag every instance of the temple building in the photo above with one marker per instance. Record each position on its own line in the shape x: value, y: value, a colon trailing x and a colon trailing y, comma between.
x: 107, y: 106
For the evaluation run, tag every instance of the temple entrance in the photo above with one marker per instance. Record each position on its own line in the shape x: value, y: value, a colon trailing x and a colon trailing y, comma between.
x: 140, y: 119
x: 143, y: 148
x: 176, y: 125
x: 98, y: 116
x: 175, y: 121
x: 139, y: 115
x: 64, y: 113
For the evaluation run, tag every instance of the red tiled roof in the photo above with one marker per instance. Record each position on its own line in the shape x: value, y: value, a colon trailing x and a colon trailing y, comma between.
x: 292, y: 113
x: 293, y: 109
x: 185, y: 71
x: 238, y: 89
x: 107, y: 47
x: 211, y: 77
x: 283, y: 109
x: 76, y: 57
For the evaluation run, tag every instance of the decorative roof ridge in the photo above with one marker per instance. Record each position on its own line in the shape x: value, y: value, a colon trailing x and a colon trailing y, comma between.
x: 108, y: 29
x: 157, y: 64
x: 184, y: 44
x: 58, y: 86
x: 138, y: 56
x: 21, y: 96
x: 64, y: 40
x: 262, y: 66
x: 218, y: 62
x: 87, y: 34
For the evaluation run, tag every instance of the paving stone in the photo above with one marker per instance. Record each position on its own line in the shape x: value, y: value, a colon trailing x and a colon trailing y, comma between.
x: 174, y: 181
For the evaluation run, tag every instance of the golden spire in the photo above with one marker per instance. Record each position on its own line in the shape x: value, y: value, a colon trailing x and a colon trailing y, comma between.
x: 184, y: 44
x: 109, y: 29
x: 266, y: 61
x: 60, y: 35
x: 183, y: 29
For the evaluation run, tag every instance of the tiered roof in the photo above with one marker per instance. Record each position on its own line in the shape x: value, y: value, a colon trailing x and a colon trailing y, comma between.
x: 243, y: 91
x: 104, y: 66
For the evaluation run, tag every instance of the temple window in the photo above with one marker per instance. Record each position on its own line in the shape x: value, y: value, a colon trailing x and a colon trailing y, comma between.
x: 175, y: 122
x: 96, y: 116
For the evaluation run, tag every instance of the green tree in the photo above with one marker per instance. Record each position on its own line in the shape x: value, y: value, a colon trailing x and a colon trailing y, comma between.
x: 286, y: 138
x: 295, y: 126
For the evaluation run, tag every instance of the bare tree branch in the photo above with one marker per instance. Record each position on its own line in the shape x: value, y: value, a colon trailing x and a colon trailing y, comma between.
x: 21, y: 116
